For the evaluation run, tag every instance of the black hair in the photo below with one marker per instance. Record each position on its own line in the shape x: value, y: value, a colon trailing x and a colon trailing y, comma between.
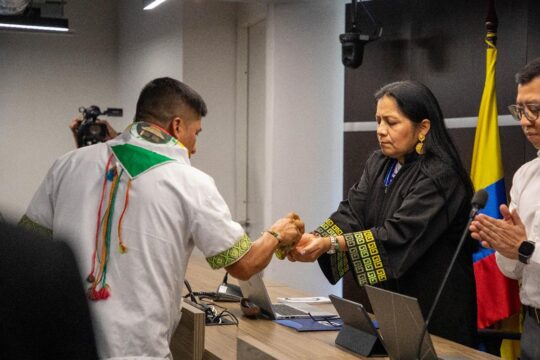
x: 163, y: 98
x: 529, y: 72
x: 417, y: 102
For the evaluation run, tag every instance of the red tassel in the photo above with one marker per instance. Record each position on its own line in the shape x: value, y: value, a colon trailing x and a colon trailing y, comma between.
x: 104, y: 293
x: 101, y: 294
x: 90, y: 278
x: 92, y: 294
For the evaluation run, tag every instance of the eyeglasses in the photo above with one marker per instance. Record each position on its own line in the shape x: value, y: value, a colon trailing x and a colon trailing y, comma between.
x: 530, y: 111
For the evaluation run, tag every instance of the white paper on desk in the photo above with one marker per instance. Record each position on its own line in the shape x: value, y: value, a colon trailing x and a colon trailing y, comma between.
x: 306, y: 300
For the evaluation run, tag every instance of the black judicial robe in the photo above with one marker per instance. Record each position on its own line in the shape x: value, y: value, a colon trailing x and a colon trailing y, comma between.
x: 402, y: 238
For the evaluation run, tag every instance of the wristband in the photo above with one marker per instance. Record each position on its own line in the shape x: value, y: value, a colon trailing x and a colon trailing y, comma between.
x: 282, y: 250
x: 274, y: 234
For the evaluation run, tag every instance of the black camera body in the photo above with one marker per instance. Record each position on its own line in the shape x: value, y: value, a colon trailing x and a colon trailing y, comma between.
x: 353, y: 40
x: 91, y: 132
x: 352, y: 48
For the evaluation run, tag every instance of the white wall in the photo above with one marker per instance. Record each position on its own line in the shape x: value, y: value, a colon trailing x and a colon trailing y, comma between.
x: 193, y: 41
x: 209, y: 60
x: 150, y: 46
x: 44, y: 79
x: 305, y: 82
x: 251, y: 13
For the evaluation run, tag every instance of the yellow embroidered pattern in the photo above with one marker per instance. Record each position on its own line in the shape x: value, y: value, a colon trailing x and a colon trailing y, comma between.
x: 33, y: 226
x: 230, y: 256
x: 367, y: 261
x: 339, y: 262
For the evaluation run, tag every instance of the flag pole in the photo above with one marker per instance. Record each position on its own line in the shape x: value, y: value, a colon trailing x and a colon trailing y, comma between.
x: 492, y: 22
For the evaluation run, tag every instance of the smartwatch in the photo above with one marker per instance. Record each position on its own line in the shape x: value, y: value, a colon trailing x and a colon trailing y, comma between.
x: 525, y: 251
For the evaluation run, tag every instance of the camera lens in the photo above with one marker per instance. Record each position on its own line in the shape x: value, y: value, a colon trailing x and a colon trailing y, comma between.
x: 94, y: 130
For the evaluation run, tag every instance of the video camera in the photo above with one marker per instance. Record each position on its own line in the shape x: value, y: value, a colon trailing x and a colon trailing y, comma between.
x: 90, y: 132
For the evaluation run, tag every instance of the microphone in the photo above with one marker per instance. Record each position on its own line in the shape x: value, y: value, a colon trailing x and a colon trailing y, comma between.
x: 478, y: 202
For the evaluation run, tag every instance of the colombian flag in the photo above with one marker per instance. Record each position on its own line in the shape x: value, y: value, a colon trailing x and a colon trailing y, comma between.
x: 497, y: 296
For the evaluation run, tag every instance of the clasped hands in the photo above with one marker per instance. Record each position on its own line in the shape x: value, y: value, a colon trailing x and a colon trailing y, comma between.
x: 289, y: 231
x: 503, y: 235
x: 309, y: 248
x: 294, y: 243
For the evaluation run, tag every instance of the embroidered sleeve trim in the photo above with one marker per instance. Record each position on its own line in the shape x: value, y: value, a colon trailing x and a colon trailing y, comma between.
x: 338, y: 261
x: 232, y: 255
x: 366, y: 257
x: 33, y: 226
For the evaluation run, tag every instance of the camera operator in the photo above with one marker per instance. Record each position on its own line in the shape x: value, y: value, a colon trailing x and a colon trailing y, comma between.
x: 76, y: 123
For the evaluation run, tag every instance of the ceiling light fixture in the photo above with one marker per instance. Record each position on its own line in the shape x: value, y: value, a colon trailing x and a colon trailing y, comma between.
x: 32, y: 27
x: 151, y: 4
x: 33, y: 22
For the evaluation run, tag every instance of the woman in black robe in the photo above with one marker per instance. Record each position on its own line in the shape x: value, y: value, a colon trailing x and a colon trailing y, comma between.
x: 401, y: 223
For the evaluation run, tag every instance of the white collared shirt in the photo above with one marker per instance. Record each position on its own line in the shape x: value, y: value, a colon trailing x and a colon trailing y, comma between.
x: 173, y: 208
x: 525, y: 198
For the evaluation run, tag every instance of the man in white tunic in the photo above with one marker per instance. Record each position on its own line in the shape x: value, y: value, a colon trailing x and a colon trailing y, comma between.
x: 133, y: 209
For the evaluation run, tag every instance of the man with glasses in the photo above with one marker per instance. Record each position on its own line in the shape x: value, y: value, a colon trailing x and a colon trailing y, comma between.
x: 515, y: 236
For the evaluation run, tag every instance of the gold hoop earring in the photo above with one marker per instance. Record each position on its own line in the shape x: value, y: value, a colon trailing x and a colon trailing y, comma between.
x: 420, y: 145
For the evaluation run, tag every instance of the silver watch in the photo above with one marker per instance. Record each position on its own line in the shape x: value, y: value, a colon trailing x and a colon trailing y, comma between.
x: 333, y: 245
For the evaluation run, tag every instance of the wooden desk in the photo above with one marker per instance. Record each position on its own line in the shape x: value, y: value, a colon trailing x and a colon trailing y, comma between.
x: 221, y: 341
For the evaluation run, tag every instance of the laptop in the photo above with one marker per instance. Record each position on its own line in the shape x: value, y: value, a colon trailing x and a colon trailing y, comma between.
x: 401, y: 324
x: 255, y: 290
x: 359, y: 334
